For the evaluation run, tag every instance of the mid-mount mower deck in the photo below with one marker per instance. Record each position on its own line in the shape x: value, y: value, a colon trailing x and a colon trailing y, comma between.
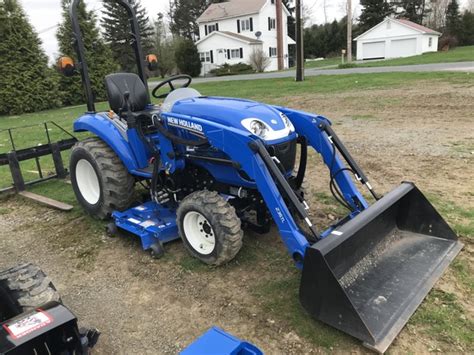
x: 215, y: 165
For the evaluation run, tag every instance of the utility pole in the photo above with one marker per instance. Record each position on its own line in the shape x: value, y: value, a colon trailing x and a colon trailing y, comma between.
x: 299, y: 44
x: 279, y: 25
x: 349, y: 31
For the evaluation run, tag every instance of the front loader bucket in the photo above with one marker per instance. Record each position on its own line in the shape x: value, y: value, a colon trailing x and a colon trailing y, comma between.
x: 370, y: 275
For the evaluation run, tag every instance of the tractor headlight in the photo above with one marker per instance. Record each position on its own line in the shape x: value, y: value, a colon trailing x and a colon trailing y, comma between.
x: 287, y: 122
x: 258, y: 128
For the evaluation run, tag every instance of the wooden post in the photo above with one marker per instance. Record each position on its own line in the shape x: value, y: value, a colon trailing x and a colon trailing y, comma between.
x: 279, y: 29
x: 299, y: 44
x: 349, y: 31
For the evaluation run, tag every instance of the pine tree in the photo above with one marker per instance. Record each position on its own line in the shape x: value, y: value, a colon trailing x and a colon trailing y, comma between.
x: 183, y: 15
x: 26, y: 82
x: 187, y: 58
x: 453, y: 19
x: 98, y: 55
x: 117, y: 32
x: 373, y: 12
x: 467, y: 29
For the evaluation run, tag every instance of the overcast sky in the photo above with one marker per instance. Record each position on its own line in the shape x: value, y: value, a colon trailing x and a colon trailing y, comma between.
x: 46, y: 14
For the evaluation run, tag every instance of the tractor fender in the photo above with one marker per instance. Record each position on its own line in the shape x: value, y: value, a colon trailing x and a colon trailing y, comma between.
x: 103, y: 128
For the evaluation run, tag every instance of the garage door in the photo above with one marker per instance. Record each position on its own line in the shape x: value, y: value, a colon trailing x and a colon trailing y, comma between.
x: 373, y: 50
x: 403, y: 48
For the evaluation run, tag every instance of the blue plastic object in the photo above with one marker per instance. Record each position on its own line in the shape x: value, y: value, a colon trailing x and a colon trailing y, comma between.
x: 150, y: 222
x: 217, y: 342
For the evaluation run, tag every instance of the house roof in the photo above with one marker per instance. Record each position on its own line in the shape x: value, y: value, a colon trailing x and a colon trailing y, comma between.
x: 233, y: 36
x: 231, y: 8
x: 403, y: 22
x: 242, y: 38
x: 417, y: 26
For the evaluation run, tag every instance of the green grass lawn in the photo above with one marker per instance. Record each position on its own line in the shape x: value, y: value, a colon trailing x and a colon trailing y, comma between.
x: 460, y: 54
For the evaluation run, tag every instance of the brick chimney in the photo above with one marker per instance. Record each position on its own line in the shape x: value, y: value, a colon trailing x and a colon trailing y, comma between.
x: 279, y: 29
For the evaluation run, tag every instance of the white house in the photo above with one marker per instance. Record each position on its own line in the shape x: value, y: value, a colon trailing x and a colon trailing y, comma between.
x: 230, y: 31
x: 395, y: 38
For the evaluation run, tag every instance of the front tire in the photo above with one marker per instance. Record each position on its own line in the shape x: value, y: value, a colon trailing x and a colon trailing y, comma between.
x: 209, y: 227
x: 99, y: 179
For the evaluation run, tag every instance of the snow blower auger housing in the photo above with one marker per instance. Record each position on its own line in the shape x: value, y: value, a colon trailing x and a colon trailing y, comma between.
x: 34, y: 321
x: 215, y: 165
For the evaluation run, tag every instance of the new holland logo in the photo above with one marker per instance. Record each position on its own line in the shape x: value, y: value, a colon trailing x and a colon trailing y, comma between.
x: 178, y: 122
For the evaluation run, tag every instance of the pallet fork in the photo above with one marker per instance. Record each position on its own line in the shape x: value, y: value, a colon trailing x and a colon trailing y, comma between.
x: 54, y: 149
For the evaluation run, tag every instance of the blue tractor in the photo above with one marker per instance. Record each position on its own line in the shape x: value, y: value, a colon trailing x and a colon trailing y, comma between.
x: 214, y: 166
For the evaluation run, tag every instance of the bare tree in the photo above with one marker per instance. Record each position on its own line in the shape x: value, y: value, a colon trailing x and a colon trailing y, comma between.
x: 437, y: 15
x: 259, y: 60
x: 307, y: 14
x: 349, y: 31
x: 325, y: 10
x: 470, y: 5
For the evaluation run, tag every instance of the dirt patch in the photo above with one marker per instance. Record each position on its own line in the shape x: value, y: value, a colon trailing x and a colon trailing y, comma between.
x: 146, y: 306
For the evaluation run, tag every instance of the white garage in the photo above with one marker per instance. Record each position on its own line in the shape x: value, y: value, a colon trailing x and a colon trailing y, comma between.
x: 396, y: 38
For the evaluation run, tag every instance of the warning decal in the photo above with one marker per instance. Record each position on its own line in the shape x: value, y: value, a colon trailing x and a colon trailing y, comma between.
x: 27, y: 325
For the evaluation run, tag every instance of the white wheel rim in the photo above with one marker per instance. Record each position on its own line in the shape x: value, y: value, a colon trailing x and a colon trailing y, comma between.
x: 87, y: 181
x: 199, y: 233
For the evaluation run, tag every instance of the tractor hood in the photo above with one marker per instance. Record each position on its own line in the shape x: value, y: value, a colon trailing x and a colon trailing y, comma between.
x: 237, y: 113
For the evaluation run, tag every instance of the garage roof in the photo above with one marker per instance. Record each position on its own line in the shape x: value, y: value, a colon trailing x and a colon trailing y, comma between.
x: 417, y: 26
x: 407, y: 23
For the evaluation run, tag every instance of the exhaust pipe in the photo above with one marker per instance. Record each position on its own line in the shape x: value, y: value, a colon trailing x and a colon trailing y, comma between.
x: 370, y: 275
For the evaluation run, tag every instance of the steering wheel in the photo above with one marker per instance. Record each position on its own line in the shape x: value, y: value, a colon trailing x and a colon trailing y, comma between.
x: 169, y: 81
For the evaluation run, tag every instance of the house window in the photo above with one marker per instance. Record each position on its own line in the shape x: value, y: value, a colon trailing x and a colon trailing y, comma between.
x: 205, y: 57
x: 273, y: 52
x: 430, y: 42
x: 234, y: 53
x: 245, y: 25
x: 211, y: 28
x: 271, y: 23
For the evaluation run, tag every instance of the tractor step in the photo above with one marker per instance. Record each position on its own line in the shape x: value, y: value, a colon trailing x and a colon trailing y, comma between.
x: 151, y: 222
x: 369, y: 276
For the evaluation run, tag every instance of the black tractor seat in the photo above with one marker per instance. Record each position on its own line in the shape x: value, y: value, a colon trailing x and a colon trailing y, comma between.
x: 119, y: 85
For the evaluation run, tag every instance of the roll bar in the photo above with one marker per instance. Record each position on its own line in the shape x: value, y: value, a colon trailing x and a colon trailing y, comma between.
x: 80, y: 49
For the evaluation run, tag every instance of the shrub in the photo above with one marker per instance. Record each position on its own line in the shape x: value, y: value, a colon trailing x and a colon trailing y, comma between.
x: 447, y: 42
x: 227, y: 69
x: 347, y: 66
x: 259, y: 60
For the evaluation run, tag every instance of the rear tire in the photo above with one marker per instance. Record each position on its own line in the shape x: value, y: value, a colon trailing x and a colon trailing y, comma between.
x: 209, y: 227
x: 100, y: 181
x: 24, y: 288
